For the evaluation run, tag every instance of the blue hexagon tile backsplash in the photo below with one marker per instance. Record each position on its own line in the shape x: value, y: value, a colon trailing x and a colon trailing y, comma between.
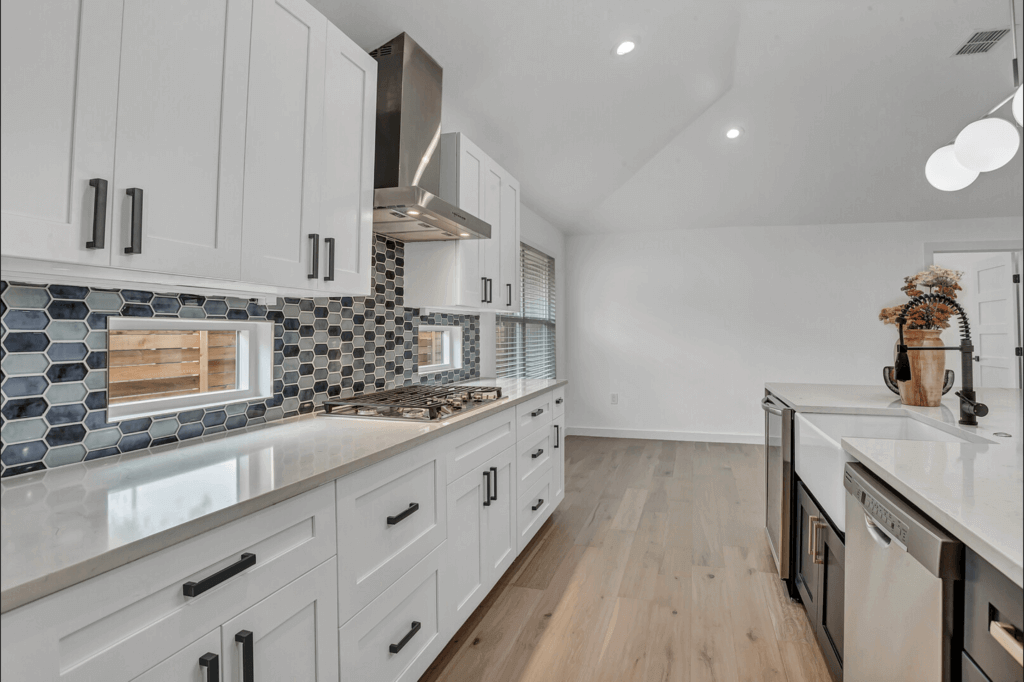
x: 53, y: 367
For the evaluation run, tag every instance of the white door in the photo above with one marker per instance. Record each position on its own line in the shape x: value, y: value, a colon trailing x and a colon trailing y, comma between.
x: 558, y: 457
x: 346, y: 196
x: 490, y: 249
x: 200, y: 661
x: 471, y: 197
x: 499, y: 518
x: 468, y: 501
x: 510, y: 276
x: 284, y: 129
x: 291, y: 635
x: 993, y: 327
x: 181, y: 136
x: 59, y: 103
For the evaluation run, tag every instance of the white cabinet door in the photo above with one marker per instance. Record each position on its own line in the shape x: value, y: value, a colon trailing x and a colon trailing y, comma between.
x: 508, y: 299
x: 284, y: 130
x: 558, y: 466
x: 59, y: 104
x: 346, y: 195
x: 490, y: 249
x: 291, y: 635
x: 472, y: 193
x: 499, y: 519
x: 200, y: 660
x: 466, y: 579
x: 181, y: 136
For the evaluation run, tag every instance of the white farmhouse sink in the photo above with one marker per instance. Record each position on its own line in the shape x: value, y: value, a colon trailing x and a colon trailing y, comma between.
x: 820, y: 457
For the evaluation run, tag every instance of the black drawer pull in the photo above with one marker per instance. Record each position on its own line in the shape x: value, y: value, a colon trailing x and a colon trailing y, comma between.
x: 538, y: 505
x: 135, y: 245
x: 245, y: 637
x: 314, y: 258
x: 395, y: 648
x: 559, y: 401
x: 392, y: 520
x: 538, y: 412
x: 487, y: 488
x: 329, y: 241
x: 537, y: 454
x: 212, y: 664
x: 191, y: 589
x: 494, y: 477
x: 99, y: 215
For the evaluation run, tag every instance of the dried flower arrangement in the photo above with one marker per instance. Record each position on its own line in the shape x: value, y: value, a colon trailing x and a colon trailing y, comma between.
x: 931, y: 316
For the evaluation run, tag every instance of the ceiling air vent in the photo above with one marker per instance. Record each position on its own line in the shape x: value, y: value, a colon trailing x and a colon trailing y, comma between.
x: 382, y: 51
x: 981, y: 42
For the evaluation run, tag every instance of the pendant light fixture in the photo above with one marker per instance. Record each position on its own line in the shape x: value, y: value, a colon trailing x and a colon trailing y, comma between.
x: 984, y: 145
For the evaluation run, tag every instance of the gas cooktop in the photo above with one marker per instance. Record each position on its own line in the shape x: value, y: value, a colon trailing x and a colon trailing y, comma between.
x: 414, y: 403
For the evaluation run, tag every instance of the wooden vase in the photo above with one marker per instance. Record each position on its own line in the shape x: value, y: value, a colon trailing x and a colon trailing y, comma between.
x: 927, y: 369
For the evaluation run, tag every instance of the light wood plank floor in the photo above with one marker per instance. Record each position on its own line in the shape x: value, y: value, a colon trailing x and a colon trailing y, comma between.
x: 654, y: 567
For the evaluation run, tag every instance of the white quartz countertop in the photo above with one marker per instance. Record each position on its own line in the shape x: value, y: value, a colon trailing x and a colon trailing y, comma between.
x: 974, y: 491
x: 71, y: 523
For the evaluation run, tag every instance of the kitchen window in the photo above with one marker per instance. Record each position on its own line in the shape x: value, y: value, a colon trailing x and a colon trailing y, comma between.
x: 167, y: 365
x: 526, y: 338
x: 439, y: 349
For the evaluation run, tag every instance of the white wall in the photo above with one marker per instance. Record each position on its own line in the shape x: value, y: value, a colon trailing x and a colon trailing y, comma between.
x: 543, y: 236
x: 687, y: 325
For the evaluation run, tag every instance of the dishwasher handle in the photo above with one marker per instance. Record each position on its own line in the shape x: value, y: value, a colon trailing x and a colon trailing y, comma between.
x: 771, y: 408
x: 882, y: 539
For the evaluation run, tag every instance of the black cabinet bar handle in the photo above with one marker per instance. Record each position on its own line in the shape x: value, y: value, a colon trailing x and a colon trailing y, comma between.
x: 483, y: 290
x: 509, y: 304
x: 99, y: 215
x: 135, y: 245
x: 537, y: 413
x: 487, y: 488
x: 191, y: 589
x: 537, y: 454
x: 329, y: 241
x: 559, y: 401
x: 558, y: 434
x: 212, y: 664
x: 245, y: 637
x: 315, y: 258
x: 490, y: 290
x: 494, y: 475
x: 395, y: 648
x: 392, y: 520
x: 538, y: 505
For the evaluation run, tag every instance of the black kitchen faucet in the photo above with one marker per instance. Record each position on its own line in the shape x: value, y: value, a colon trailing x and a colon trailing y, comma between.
x: 970, y: 409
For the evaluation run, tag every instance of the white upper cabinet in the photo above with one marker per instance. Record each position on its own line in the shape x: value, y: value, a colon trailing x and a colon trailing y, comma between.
x: 181, y: 137
x: 59, y: 103
x: 283, y: 145
x: 478, y: 274
x: 346, y: 194
x: 217, y: 143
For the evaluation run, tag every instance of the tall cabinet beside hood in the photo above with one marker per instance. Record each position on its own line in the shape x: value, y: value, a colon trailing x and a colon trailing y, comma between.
x: 479, y: 274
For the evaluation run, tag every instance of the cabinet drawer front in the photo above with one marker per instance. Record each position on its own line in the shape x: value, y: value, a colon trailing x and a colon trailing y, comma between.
x: 367, y: 641
x: 529, y: 465
x: 119, y: 624
x: 990, y: 596
x: 529, y: 518
x: 532, y: 415
x: 558, y: 401
x: 471, y: 446
x: 383, y: 533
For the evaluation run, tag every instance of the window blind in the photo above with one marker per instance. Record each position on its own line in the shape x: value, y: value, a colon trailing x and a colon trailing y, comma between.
x: 526, y: 338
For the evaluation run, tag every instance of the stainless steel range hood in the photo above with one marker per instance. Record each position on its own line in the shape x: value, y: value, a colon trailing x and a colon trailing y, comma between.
x: 407, y: 167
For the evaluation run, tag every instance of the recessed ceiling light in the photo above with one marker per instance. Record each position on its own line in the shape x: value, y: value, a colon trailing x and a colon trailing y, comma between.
x: 733, y: 133
x: 625, y: 47
x: 464, y: 234
x: 414, y: 212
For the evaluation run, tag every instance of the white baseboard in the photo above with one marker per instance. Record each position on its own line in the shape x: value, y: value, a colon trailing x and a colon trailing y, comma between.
x: 643, y: 434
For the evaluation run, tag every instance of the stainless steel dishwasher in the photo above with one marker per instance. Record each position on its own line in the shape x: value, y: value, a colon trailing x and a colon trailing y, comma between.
x: 901, y: 575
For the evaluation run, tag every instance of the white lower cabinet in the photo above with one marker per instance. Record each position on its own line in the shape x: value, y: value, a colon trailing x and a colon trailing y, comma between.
x: 191, y: 663
x: 481, y: 535
x: 290, y: 635
x: 534, y: 508
x: 558, y: 461
x: 400, y: 632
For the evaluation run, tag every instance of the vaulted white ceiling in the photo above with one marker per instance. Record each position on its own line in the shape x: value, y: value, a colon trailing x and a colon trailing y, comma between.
x: 841, y: 103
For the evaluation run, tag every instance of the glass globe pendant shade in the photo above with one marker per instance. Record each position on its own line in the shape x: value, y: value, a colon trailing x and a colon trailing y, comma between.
x: 987, y: 144
x: 946, y: 173
x: 1018, y: 103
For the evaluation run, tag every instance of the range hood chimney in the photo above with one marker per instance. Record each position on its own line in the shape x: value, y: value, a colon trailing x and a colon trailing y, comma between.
x: 407, y: 167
